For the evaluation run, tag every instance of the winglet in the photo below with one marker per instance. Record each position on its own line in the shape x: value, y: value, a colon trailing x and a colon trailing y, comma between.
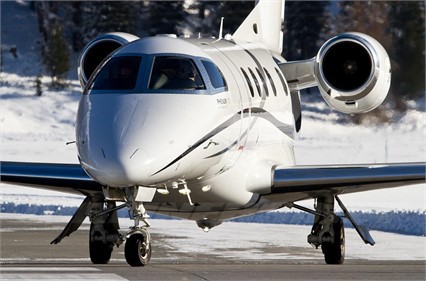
x: 264, y: 25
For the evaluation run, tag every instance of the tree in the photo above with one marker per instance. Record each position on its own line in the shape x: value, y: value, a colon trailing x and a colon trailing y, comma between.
x: 108, y: 16
x: 166, y: 17
x: 54, y: 50
x: 234, y: 12
x: 56, y: 56
x: 76, y: 23
x: 304, y: 23
x: 203, y: 17
x: 407, y: 22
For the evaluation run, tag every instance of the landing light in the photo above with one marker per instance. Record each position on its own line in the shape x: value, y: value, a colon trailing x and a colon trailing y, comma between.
x: 206, y: 188
x: 186, y: 191
x: 164, y: 191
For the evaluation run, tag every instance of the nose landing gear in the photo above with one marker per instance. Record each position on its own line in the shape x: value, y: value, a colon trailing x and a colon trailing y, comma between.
x: 104, y: 227
x: 138, y: 240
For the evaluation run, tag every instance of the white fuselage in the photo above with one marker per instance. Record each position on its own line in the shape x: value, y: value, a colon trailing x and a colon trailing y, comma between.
x: 218, y: 144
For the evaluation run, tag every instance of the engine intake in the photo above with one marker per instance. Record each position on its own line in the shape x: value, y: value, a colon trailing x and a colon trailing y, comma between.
x: 353, y: 72
x: 97, y: 50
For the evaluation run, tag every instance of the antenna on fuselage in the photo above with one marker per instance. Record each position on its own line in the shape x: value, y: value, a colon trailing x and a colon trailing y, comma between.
x: 221, y: 28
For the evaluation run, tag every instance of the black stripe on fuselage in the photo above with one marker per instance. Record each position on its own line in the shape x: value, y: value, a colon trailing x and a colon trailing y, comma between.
x: 211, y: 134
x: 257, y: 112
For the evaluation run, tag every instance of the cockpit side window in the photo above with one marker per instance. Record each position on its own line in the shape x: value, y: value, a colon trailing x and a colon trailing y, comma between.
x: 216, y: 77
x: 175, y: 73
x: 120, y: 73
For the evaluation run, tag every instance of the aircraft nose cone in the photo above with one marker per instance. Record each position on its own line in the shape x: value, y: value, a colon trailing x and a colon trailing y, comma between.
x: 110, y: 145
x: 120, y: 167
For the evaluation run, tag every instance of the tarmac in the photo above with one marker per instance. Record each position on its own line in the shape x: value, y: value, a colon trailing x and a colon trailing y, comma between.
x: 26, y: 254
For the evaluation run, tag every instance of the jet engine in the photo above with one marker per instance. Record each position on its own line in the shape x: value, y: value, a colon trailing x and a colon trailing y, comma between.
x: 96, y: 51
x: 353, y: 72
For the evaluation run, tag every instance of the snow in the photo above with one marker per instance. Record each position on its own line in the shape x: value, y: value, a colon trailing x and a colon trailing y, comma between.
x: 37, y: 128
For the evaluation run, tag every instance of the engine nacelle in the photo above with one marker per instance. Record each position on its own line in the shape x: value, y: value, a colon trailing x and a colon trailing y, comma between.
x: 97, y: 50
x: 353, y: 72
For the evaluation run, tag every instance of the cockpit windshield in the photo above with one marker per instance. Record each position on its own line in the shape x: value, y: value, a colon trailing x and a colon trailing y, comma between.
x: 175, y: 73
x: 150, y: 74
x: 120, y: 73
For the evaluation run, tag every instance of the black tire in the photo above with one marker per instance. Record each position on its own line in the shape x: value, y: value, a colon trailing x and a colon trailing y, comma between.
x: 137, y: 252
x: 100, y: 253
x: 334, y: 253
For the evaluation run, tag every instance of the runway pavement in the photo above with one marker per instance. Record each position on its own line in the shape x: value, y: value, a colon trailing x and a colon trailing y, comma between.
x: 27, y: 255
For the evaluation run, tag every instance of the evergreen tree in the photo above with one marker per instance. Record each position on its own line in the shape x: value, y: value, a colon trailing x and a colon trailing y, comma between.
x: 54, y: 50
x: 76, y: 24
x: 200, y: 18
x: 166, y: 17
x: 233, y: 12
x: 353, y: 17
x: 304, y: 24
x: 56, y: 56
x: 407, y: 21
x: 108, y: 16
x: 203, y: 17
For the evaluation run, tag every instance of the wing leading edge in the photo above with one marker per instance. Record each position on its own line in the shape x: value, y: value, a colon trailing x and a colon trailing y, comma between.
x: 315, y: 180
x: 69, y: 178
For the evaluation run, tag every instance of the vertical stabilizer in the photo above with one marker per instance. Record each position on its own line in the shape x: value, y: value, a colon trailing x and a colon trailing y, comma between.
x: 263, y: 25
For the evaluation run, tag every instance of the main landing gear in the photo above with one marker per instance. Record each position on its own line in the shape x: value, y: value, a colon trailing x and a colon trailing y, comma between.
x: 104, y: 232
x: 328, y: 230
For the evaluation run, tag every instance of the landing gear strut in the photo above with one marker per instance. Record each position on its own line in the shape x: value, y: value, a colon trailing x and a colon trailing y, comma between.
x: 328, y: 231
x: 103, y: 231
x: 138, y: 240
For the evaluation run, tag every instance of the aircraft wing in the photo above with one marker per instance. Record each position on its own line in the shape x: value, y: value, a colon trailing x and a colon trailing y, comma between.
x: 313, y: 181
x: 69, y: 178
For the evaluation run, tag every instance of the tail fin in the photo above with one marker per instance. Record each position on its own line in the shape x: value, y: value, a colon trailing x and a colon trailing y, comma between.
x: 263, y: 25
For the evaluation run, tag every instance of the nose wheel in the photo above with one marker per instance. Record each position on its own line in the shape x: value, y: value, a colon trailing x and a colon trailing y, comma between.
x: 138, y: 240
x: 138, y: 247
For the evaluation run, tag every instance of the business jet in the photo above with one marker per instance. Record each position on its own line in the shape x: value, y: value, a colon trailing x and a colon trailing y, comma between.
x: 203, y: 129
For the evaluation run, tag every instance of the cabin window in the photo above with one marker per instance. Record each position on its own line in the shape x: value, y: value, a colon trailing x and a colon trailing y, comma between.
x: 265, y: 86
x: 256, y: 82
x: 175, y: 73
x: 274, y: 90
x: 248, y: 82
x: 216, y: 77
x: 120, y: 73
